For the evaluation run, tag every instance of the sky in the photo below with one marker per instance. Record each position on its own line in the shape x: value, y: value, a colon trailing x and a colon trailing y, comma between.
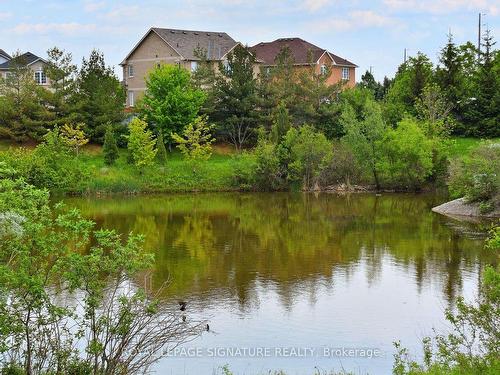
x: 372, y: 34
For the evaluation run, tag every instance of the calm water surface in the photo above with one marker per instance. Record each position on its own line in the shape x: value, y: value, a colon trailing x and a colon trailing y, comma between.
x: 299, y: 275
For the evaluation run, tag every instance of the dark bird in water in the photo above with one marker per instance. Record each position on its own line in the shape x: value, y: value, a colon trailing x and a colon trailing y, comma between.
x: 183, y: 318
x: 208, y: 328
x: 182, y: 304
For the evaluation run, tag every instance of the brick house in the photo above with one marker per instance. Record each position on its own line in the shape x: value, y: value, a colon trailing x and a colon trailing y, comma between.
x: 170, y: 46
x: 307, y: 54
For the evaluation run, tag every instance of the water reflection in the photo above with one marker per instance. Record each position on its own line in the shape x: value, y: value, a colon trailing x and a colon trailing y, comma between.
x: 215, y: 247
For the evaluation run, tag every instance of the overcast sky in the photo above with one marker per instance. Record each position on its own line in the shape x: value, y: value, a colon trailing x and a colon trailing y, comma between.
x: 368, y: 33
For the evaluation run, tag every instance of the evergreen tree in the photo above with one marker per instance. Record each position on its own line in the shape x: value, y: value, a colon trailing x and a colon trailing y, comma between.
x: 100, y: 97
x: 488, y: 95
x: 110, y: 148
x: 236, y: 106
x: 141, y: 144
x: 449, y: 73
x: 281, y: 123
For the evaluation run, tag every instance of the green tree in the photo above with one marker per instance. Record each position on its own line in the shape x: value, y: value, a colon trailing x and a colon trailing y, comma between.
x: 61, y: 72
x: 141, y: 144
x: 281, y: 123
x: 407, y: 160
x: 449, y: 75
x: 310, y: 152
x: 171, y: 101
x: 74, y: 137
x: 236, y: 107
x: 24, y: 111
x: 364, y: 136
x: 110, y: 148
x: 368, y: 82
x: 100, y: 97
x: 196, y: 140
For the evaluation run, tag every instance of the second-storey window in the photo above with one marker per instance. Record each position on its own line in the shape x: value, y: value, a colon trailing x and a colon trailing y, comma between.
x: 40, y: 77
x: 130, y: 70
x: 345, y: 73
x: 323, y: 69
x: 194, y: 66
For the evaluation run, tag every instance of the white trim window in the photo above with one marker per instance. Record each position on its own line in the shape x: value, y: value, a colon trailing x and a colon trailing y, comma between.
x: 345, y: 74
x: 40, y: 77
x: 130, y: 71
x: 194, y: 66
x: 131, y: 99
x: 323, y: 69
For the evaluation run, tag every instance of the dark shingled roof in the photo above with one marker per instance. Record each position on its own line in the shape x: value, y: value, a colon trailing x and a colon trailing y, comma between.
x: 4, y: 54
x: 302, y: 51
x: 216, y: 44
x: 24, y: 59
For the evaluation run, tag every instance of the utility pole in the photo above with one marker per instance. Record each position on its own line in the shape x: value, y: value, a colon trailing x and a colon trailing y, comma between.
x: 404, y: 56
x: 371, y: 69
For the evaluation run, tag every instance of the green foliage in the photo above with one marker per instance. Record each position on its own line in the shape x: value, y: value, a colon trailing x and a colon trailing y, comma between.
x: 310, y: 152
x: 73, y: 137
x: 100, y: 97
x: 271, y: 169
x: 472, y: 347
x: 161, y: 155
x: 493, y: 241
x: 477, y: 177
x: 110, y: 148
x: 343, y: 168
x: 281, y: 122
x: 47, y: 253
x: 236, y: 101
x: 171, y: 101
x: 196, y: 140
x: 24, y: 112
x: 141, y: 144
x: 407, y: 160
x: 364, y: 135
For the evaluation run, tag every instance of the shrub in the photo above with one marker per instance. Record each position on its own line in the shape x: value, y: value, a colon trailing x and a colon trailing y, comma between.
x: 343, y: 168
x: 477, y: 177
x: 310, y: 152
x: 408, y: 156
x: 141, y: 144
x: 271, y: 172
x: 196, y: 140
x: 110, y: 148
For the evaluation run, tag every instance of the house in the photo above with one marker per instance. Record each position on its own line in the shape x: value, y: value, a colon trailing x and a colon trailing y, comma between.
x: 170, y: 46
x: 4, y: 56
x: 307, y: 54
x: 35, y: 63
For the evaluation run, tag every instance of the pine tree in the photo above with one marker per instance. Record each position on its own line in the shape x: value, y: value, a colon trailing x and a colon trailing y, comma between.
x: 110, y: 149
x: 161, y: 154
x: 281, y: 123
x: 449, y: 75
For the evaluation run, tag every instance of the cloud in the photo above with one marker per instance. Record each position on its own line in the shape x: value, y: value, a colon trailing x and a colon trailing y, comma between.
x: 358, y: 19
x: 314, y: 5
x: 5, y: 15
x: 444, y: 6
x: 93, y: 6
x: 47, y: 28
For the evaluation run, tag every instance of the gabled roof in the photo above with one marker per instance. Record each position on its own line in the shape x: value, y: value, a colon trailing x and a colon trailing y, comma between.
x: 302, y: 51
x: 184, y: 42
x: 27, y: 59
x: 5, y: 54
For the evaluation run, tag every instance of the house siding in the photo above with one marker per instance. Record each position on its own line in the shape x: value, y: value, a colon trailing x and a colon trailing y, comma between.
x: 152, y: 51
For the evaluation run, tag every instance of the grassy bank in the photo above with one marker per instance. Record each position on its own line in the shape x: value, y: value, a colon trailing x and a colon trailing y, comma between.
x: 222, y: 172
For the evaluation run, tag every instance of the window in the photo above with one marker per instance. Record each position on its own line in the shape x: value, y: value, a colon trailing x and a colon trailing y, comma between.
x: 323, y: 69
x: 194, y: 66
x: 40, y: 77
x: 345, y: 74
x: 130, y: 98
x: 130, y: 71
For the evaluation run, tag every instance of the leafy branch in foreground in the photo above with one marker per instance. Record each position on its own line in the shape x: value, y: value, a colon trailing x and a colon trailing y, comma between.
x: 71, y: 299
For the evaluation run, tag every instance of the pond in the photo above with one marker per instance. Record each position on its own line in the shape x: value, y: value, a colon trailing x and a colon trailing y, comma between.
x: 301, y: 282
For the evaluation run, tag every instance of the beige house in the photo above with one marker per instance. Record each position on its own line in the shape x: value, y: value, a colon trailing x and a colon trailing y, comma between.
x: 35, y: 63
x: 170, y: 46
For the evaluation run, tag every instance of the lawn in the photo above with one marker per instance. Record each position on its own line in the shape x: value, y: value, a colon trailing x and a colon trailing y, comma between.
x: 463, y: 146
